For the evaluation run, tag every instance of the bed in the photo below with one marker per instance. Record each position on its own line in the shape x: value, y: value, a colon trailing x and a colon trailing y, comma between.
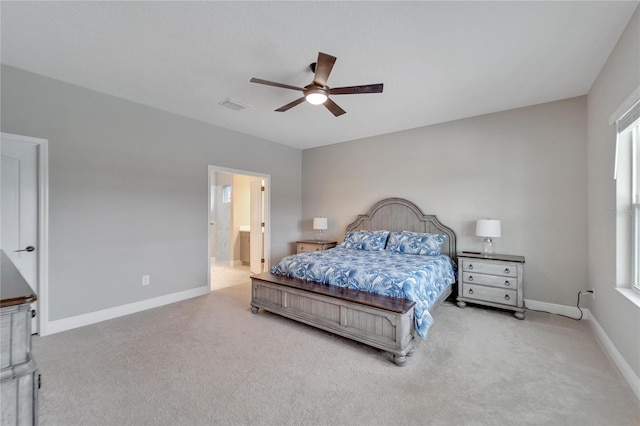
x: 378, y: 287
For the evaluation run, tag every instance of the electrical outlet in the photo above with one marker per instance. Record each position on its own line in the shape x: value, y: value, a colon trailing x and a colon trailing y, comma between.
x: 146, y: 280
x: 593, y: 293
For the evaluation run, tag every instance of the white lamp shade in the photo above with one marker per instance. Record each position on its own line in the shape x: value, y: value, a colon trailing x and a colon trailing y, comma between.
x: 320, y: 223
x: 490, y: 228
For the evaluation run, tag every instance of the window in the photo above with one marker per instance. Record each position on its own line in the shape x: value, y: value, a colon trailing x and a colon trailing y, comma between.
x: 226, y: 194
x: 628, y: 198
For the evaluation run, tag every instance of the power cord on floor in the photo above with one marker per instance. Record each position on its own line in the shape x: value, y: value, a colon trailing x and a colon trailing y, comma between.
x: 566, y: 316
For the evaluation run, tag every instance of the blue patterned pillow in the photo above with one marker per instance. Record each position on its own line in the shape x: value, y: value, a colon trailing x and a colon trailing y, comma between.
x: 365, y: 240
x: 415, y: 243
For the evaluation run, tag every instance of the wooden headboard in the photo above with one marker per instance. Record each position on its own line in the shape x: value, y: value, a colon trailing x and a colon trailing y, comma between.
x: 398, y: 214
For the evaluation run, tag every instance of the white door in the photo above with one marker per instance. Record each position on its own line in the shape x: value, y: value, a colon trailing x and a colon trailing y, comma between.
x: 19, y: 211
x: 257, y: 227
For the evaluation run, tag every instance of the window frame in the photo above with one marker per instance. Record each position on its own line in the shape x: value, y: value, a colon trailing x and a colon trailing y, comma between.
x: 635, y: 206
x: 627, y: 173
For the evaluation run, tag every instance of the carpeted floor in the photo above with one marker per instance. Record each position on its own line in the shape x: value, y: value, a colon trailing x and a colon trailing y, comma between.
x: 210, y: 361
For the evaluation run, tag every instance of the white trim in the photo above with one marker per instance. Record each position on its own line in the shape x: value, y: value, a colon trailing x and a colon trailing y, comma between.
x: 615, y: 159
x: 631, y: 294
x: 43, y: 225
x: 43, y: 219
x: 235, y: 171
x: 628, y: 103
x: 570, y: 311
x: 626, y: 371
x: 119, y: 311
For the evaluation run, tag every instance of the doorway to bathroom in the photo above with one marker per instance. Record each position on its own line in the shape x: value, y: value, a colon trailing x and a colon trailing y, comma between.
x: 238, y: 226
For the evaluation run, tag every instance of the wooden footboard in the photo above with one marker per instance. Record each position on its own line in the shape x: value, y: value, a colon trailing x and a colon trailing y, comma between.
x: 380, y: 321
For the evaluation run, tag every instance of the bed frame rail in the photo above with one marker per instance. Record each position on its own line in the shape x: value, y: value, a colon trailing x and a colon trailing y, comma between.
x: 380, y: 321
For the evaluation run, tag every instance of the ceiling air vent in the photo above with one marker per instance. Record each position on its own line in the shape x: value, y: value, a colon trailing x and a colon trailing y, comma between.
x: 233, y: 104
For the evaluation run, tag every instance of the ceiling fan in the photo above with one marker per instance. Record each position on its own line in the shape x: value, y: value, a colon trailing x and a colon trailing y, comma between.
x: 318, y: 92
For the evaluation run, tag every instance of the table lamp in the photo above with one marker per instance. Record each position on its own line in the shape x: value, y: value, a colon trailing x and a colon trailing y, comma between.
x: 489, y: 229
x: 319, y: 225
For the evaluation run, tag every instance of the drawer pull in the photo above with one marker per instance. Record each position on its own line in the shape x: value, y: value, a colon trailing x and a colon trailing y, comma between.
x: 506, y: 270
x: 507, y: 283
x: 470, y: 277
x: 470, y: 267
x: 507, y: 297
x: 317, y: 248
x: 470, y: 291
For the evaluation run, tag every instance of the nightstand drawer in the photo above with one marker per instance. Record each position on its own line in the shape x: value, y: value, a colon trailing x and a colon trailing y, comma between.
x: 500, y: 268
x: 305, y: 247
x: 309, y: 246
x: 492, y: 280
x: 490, y: 294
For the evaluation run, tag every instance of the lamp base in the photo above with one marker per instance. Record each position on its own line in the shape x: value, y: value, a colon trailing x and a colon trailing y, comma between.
x: 487, y: 246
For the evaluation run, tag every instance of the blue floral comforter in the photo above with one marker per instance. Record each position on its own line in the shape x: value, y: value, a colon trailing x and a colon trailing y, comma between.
x: 418, y: 278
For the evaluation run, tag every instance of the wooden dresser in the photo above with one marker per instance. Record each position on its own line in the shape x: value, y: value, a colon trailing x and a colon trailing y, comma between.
x: 493, y: 280
x: 306, y: 246
x: 19, y: 376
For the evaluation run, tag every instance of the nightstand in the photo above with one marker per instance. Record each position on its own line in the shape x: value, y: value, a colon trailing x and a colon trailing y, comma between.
x: 492, y: 280
x: 314, y: 245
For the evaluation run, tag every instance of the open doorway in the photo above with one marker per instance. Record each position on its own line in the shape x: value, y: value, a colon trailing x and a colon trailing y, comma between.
x: 238, y: 226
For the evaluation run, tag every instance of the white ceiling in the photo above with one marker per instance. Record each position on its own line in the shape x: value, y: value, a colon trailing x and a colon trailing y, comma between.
x: 439, y: 61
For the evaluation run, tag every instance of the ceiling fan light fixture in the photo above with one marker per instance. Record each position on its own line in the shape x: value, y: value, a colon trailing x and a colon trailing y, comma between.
x: 315, y: 95
x: 316, y: 98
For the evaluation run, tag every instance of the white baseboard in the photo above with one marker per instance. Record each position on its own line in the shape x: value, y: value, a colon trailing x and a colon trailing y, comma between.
x: 626, y: 371
x: 571, y: 311
x: 57, y: 326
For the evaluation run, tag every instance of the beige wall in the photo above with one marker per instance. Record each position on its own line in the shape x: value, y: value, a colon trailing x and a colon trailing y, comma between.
x: 617, y: 315
x: 128, y: 191
x: 526, y: 167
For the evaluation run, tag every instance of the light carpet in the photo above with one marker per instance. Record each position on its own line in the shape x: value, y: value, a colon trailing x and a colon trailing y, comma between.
x: 209, y: 360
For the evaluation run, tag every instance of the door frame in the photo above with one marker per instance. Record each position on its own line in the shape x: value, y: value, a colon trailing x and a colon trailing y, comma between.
x: 267, y: 209
x: 42, y: 146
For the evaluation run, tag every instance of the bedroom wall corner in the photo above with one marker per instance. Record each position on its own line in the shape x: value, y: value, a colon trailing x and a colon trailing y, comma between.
x: 617, y: 316
x: 128, y: 192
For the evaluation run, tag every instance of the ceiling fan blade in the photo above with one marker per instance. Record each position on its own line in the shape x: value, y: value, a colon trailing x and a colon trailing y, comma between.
x: 271, y: 83
x: 354, y: 90
x: 334, y: 108
x: 291, y: 105
x: 323, y: 69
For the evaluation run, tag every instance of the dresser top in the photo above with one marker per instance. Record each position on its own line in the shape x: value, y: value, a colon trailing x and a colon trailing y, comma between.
x: 317, y: 242
x: 495, y: 256
x: 14, y: 289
